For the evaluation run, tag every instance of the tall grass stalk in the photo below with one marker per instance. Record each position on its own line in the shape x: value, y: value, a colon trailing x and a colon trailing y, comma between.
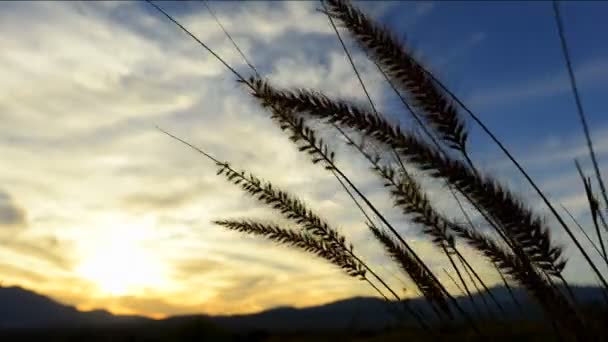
x: 319, y: 153
x: 295, y: 210
x: 382, y: 47
x: 577, y: 98
x: 594, y: 207
x: 528, y: 256
x: 395, y: 154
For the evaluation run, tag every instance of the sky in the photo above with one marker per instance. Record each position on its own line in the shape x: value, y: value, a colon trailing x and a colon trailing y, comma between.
x: 98, y: 209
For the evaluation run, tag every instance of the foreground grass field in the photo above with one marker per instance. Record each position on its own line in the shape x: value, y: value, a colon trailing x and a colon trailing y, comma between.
x: 199, y: 330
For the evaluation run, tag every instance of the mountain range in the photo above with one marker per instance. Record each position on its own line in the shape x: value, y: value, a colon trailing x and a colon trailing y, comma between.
x: 24, y: 310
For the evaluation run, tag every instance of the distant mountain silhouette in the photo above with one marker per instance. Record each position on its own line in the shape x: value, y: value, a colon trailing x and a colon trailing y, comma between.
x: 373, y: 313
x: 21, y: 308
x: 24, y: 309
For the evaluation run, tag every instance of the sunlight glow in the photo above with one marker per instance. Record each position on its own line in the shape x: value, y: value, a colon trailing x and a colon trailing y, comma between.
x: 120, y: 263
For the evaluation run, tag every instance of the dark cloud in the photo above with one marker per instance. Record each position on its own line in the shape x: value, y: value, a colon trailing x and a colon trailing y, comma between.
x: 10, y: 213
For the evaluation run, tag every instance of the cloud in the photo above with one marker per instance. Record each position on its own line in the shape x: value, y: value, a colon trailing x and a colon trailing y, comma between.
x: 460, y: 50
x: 425, y: 7
x: 552, y: 83
x: 11, y: 215
x: 553, y: 160
x: 551, y: 164
x: 567, y: 149
x: 377, y: 9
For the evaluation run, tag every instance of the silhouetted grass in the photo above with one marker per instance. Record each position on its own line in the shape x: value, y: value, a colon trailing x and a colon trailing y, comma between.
x: 525, y: 254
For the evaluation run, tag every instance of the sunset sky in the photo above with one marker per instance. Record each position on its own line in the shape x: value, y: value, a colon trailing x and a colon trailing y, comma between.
x: 98, y: 209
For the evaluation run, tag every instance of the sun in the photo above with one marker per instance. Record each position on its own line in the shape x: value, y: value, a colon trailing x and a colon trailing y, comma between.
x: 120, y: 264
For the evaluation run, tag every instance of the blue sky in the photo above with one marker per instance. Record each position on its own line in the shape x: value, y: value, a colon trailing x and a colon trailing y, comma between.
x: 91, y: 178
x: 514, y: 72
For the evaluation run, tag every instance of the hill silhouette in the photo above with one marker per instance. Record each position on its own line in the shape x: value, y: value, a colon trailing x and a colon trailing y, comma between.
x: 21, y: 309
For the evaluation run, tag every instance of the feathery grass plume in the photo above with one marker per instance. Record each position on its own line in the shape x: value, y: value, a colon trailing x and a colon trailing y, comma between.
x: 395, y: 60
x: 301, y: 215
x: 520, y: 224
x: 438, y: 169
x: 288, y: 205
x: 423, y: 127
x: 423, y: 280
x: 282, y: 122
x: 319, y: 152
x: 522, y: 229
x: 285, y: 123
x: 301, y: 240
x: 577, y: 98
x: 377, y: 39
x: 359, y: 78
x: 293, y: 209
x: 580, y: 227
x: 301, y: 134
x: 409, y: 196
x: 443, y: 241
x: 401, y: 66
x: 553, y: 302
x: 594, y: 207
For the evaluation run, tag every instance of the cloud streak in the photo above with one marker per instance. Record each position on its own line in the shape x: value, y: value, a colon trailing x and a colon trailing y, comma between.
x: 588, y: 74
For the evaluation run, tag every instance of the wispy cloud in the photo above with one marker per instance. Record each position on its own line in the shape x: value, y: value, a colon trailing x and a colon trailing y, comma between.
x: 425, y: 7
x: 553, y: 83
x: 461, y: 50
x: 43, y: 250
x: 10, y: 213
x: 551, y: 165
